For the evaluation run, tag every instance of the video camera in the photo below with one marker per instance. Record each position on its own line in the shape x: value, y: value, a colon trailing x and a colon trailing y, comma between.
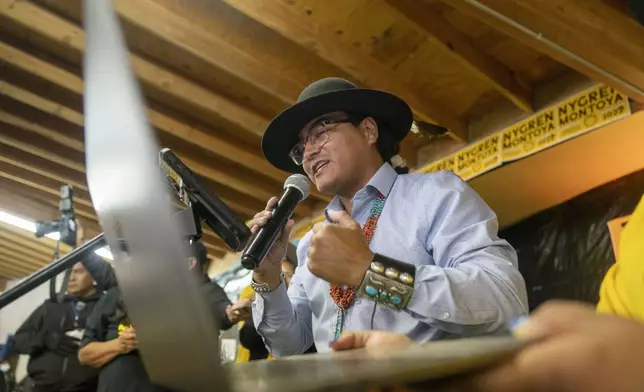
x: 66, y: 225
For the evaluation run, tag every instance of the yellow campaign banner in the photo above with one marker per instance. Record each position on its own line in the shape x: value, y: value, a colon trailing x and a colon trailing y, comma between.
x: 479, y: 158
x: 447, y: 163
x: 529, y: 136
x: 589, y: 110
x: 578, y: 114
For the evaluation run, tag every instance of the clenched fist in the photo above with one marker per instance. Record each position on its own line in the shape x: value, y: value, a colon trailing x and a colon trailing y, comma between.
x: 338, y: 252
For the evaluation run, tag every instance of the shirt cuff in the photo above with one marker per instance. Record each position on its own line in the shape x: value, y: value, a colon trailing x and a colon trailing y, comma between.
x: 273, y: 302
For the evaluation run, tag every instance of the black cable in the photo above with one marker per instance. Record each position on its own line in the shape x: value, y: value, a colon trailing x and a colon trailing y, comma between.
x: 373, y: 313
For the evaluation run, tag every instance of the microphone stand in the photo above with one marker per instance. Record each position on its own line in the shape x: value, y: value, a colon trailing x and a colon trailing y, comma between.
x: 51, y: 270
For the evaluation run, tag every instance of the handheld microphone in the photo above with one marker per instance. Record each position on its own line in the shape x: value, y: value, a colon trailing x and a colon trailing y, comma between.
x: 296, y: 188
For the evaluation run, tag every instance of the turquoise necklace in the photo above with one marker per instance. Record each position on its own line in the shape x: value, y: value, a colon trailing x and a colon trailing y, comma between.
x: 342, y: 295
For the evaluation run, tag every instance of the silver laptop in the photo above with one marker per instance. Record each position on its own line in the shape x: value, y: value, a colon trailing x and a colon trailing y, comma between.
x: 178, y: 337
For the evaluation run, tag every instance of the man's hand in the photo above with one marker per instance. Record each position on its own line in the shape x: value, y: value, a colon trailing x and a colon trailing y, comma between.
x: 270, y: 268
x: 80, y: 234
x: 127, y: 340
x: 577, y: 350
x: 370, y: 340
x: 239, y: 311
x: 338, y: 252
x: 574, y: 349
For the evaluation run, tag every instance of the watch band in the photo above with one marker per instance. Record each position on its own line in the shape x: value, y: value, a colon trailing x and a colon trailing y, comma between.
x: 263, y: 288
x: 389, y: 282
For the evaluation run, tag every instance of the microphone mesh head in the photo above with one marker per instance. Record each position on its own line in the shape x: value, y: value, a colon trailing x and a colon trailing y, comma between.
x: 299, y: 182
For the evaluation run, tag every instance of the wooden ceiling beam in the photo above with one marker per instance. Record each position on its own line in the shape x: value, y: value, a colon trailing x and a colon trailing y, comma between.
x: 49, y: 196
x: 279, y: 16
x: 51, y: 26
x: 226, y: 175
x: 21, y: 174
x: 15, y: 201
x: 26, y: 237
x: 20, y: 153
x: 588, y: 36
x: 37, y: 129
x: 30, y: 245
x: 90, y: 220
x: 42, y: 166
x: 43, y: 104
x: 16, y: 138
x: 9, y: 272
x: 215, y: 51
x: 19, y: 139
x: 41, y: 182
x: 216, y: 246
x: 33, y: 204
x: 193, y: 134
x: 461, y: 48
x: 38, y: 258
x: 20, y: 260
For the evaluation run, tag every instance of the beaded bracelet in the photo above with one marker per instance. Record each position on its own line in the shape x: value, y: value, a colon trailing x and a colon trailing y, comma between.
x: 389, y: 282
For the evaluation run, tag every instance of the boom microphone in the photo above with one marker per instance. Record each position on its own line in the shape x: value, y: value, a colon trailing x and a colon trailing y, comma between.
x: 296, y: 188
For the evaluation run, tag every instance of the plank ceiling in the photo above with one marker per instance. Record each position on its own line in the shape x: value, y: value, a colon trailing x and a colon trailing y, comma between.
x: 216, y: 71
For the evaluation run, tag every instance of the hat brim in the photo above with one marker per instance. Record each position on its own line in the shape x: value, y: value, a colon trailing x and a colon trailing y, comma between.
x: 283, y: 132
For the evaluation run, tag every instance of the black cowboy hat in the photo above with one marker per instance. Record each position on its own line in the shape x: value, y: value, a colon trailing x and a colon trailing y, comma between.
x: 332, y: 95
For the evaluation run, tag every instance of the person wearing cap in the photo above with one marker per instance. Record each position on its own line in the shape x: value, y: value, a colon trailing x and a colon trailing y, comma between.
x: 417, y: 254
x: 51, y: 337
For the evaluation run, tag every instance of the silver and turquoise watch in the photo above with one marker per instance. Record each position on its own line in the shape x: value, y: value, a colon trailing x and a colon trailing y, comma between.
x: 263, y: 288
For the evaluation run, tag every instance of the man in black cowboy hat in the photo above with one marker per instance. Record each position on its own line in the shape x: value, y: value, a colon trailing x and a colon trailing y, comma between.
x: 416, y: 254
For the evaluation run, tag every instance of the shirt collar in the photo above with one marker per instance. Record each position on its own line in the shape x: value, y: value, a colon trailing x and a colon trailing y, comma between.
x: 382, y: 181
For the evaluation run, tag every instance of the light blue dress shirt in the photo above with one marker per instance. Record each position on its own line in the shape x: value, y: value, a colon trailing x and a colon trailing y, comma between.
x: 467, y: 280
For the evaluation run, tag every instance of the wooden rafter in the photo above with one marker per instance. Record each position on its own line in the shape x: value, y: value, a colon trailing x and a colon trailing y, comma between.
x: 180, y: 90
x: 7, y: 272
x: 29, y: 246
x: 232, y: 180
x: 24, y: 236
x: 48, y: 197
x: 594, y: 36
x: 210, y: 48
x: 38, y: 258
x: 58, y: 29
x: 279, y: 17
x: 19, y: 260
x: 42, y: 166
x: 41, y: 182
x: 37, y: 129
x: 191, y: 134
x: 16, y: 138
x: 458, y: 44
x: 43, y: 104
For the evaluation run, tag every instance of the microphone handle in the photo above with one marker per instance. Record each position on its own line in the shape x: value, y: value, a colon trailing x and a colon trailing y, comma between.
x: 263, y: 240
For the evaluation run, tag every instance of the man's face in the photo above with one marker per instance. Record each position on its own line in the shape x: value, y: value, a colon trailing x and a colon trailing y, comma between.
x: 330, y: 165
x: 80, y: 280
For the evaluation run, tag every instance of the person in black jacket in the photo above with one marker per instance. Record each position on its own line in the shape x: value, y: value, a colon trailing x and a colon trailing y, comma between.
x: 51, y: 335
x: 110, y: 340
x: 225, y: 313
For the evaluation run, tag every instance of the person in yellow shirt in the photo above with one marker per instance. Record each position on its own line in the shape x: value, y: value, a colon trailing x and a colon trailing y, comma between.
x: 622, y: 290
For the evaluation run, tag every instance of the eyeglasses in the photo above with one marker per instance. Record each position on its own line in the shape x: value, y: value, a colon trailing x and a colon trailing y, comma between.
x: 317, y: 137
